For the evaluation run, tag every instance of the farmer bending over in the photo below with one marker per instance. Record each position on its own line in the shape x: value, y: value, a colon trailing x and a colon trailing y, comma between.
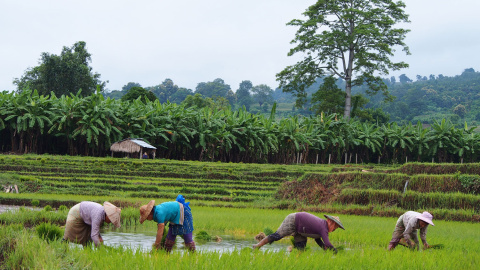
x: 302, y: 225
x: 179, y: 215
x: 407, y: 226
x: 84, y: 221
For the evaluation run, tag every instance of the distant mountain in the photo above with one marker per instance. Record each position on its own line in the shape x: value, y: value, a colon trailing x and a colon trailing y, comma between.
x: 456, y: 98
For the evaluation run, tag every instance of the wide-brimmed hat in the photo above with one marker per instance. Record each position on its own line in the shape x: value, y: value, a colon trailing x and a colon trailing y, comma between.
x: 336, y: 220
x: 427, y: 217
x: 113, y: 213
x: 145, y: 210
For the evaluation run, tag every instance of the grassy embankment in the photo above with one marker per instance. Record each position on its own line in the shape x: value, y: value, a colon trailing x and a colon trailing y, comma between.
x: 449, y: 191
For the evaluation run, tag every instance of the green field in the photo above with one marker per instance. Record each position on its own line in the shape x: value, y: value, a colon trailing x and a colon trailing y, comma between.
x: 243, y: 200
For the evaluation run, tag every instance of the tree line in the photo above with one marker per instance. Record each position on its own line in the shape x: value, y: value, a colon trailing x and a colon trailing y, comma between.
x: 76, y: 125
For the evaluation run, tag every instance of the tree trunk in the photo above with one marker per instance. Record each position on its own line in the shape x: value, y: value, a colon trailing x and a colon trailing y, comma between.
x: 348, y: 99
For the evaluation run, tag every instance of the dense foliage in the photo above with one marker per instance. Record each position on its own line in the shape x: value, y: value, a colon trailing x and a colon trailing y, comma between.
x: 433, y: 98
x: 62, y: 74
x: 33, y: 123
x: 353, y: 40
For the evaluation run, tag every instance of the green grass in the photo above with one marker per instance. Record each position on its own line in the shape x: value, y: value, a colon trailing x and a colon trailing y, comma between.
x: 365, y: 240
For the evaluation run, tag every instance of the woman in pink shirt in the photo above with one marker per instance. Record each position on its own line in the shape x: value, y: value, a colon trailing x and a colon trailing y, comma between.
x: 84, y: 221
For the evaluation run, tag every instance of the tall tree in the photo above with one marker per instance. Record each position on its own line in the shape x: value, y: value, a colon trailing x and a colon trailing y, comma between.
x: 136, y: 92
x: 62, y: 74
x: 165, y: 90
x: 353, y: 39
x: 129, y: 85
x: 180, y: 95
x: 217, y: 88
x: 244, y: 97
x: 262, y: 94
x: 404, y: 79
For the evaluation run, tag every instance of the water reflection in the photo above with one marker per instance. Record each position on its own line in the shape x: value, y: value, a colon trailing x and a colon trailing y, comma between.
x: 7, y: 208
x: 145, y: 240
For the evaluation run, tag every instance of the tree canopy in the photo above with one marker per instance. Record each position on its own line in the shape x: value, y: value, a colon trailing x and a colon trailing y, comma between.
x: 351, y: 39
x: 262, y: 94
x: 136, y: 92
x: 244, y: 98
x: 165, y: 90
x: 217, y: 88
x: 329, y: 98
x: 62, y: 74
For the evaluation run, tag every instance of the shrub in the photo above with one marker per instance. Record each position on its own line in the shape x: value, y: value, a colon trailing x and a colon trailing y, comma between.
x: 62, y: 208
x: 47, y: 208
x: 35, y: 203
x: 49, y: 231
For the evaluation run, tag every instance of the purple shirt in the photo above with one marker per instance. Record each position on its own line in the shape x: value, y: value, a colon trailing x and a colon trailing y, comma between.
x: 93, y: 214
x: 312, y: 226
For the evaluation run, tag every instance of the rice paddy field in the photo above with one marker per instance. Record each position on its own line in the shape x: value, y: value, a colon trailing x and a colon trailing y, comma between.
x: 236, y: 202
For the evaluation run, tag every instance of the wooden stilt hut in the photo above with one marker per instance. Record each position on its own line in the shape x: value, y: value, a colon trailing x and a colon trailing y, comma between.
x: 133, y: 146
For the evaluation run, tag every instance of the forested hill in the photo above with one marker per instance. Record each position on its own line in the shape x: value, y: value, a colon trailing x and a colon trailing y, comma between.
x: 456, y: 98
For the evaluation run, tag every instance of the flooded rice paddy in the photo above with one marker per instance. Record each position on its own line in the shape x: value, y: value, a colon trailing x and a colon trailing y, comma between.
x: 5, y: 208
x: 145, y: 240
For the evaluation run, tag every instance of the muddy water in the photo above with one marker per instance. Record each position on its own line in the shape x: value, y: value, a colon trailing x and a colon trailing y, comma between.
x: 145, y: 240
x: 5, y: 208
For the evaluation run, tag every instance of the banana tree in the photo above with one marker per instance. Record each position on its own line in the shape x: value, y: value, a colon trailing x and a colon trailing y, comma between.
x: 443, y: 139
x: 468, y: 143
x: 397, y: 140
x: 66, y: 112
x: 99, y: 122
x: 28, y: 115
x: 369, y: 138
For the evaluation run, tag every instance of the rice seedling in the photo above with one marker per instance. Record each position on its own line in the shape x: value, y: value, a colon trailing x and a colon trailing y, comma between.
x: 49, y: 232
x: 203, y: 236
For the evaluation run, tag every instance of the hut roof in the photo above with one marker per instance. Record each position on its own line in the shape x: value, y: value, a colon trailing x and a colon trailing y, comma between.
x: 130, y: 145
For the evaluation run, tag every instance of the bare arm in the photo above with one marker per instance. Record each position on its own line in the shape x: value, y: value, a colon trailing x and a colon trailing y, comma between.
x: 158, y: 240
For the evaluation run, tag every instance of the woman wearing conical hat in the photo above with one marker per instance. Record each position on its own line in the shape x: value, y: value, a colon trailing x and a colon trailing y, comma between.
x: 406, y: 229
x: 84, y: 221
x: 302, y: 225
x: 178, y: 214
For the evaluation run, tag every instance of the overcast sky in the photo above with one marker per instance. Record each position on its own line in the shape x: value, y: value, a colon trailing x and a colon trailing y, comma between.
x: 192, y: 41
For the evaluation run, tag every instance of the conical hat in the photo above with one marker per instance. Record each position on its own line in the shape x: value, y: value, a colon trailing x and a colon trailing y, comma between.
x: 113, y: 213
x: 145, y: 210
x: 336, y: 220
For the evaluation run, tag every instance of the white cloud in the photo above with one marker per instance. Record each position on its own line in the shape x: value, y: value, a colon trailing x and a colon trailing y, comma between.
x: 198, y: 41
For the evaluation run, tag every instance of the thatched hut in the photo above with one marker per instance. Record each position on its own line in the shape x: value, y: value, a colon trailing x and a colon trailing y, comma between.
x: 135, y: 147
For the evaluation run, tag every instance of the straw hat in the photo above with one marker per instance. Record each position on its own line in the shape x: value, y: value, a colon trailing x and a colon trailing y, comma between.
x: 113, y: 213
x: 145, y: 210
x: 336, y: 220
x: 427, y: 217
